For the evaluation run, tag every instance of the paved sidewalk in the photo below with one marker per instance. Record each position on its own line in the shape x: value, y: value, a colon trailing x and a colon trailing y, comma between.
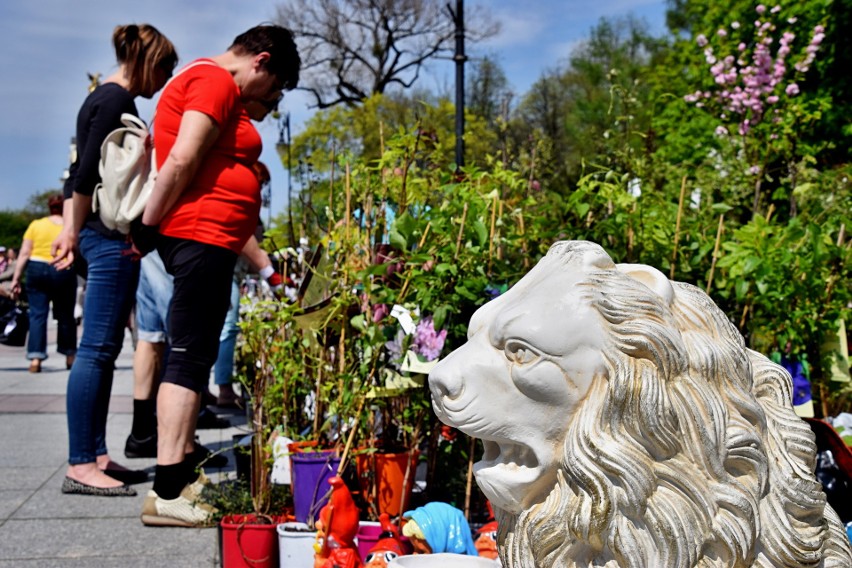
x: 39, y: 526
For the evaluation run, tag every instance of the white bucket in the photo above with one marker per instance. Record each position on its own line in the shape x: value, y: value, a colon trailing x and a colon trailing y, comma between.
x: 296, y: 545
x: 442, y: 560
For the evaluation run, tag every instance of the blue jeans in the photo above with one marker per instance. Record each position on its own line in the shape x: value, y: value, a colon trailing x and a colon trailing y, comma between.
x: 110, y: 291
x: 223, y: 370
x: 46, y: 285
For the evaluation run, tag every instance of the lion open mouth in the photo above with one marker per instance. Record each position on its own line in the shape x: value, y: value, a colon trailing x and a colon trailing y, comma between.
x: 508, y: 454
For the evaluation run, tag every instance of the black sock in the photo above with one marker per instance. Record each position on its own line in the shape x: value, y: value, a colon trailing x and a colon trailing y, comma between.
x: 169, y: 480
x: 144, y: 418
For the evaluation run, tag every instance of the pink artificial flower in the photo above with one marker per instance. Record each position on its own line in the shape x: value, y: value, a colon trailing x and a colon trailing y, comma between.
x: 754, y: 170
x: 380, y: 312
x: 722, y: 32
x: 792, y: 90
x: 772, y: 99
x: 775, y: 9
x: 735, y: 25
x: 721, y: 131
x: 760, y: 9
x: 701, y: 40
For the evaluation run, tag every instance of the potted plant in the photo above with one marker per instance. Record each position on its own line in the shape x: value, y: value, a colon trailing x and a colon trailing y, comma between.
x: 249, y: 523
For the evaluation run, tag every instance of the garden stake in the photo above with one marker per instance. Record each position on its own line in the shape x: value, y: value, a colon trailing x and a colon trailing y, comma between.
x: 415, y: 434
x: 715, y: 252
x: 461, y: 232
x: 677, y: 227
x: 342, y: 465
x: 348, y: 188
x: 491, y: 234
x: 405, y: 284
x: 331, y: 194
x: 469, y: 478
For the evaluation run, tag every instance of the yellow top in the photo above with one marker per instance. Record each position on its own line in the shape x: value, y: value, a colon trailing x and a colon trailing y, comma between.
x: 42, y: 233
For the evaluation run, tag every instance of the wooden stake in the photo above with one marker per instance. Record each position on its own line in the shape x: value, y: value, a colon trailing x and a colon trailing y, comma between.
x: 677, y: 227
x: 715, y: 251
x: 342, y: 465
x: 494, y: 203
x: 331, y: 193
x: 461, y: 232
x: 467, y: 490
x: 405, y: 284
x: 348, y: 188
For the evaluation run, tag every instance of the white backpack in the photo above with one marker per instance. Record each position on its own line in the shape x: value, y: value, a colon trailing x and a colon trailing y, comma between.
x: 128, y: 171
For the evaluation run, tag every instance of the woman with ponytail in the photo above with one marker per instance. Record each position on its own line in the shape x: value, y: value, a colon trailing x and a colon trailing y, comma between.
x: 146, y: 60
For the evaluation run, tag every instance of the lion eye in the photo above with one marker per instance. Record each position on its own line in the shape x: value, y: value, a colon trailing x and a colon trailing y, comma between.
x: 519, y: 352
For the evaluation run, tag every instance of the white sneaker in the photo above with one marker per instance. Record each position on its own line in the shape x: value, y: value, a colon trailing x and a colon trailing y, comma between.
x: 184, y: 511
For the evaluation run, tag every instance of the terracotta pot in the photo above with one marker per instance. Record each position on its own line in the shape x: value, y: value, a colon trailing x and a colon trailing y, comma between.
x: 246, y: 543
x: 388, y: 472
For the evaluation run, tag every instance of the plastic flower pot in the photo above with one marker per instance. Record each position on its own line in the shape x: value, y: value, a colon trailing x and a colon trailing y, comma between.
x: 310, y: 472
x: 296, y: 545
x: 249, y: 542
x: 388, y: 472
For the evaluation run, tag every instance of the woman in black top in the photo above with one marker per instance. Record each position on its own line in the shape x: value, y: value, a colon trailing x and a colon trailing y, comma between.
x: 146, y: 60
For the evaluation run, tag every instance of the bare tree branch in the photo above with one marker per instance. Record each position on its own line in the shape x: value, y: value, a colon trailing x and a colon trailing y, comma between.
x: 352, y: 49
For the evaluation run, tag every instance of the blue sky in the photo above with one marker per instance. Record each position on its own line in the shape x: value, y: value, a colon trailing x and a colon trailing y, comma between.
x: 50, y: 45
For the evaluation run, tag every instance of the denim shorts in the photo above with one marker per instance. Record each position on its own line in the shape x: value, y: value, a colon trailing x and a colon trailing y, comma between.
x: 153, y: 297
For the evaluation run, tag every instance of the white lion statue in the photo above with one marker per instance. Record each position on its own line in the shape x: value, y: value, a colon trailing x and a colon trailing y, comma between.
x: 625, y: 423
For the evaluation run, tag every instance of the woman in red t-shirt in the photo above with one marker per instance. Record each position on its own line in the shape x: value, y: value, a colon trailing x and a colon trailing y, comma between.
x: 206, y: 202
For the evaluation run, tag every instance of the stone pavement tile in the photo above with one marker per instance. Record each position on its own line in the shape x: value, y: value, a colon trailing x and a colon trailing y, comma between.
x: 29, y: 403
x: 10, y: 501
x: 48, y: 502
x: 105, y: 542
x: 33, y: 440
x: 25, y: 477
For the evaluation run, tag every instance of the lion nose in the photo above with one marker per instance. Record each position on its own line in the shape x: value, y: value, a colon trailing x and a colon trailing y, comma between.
x: 443, y: 382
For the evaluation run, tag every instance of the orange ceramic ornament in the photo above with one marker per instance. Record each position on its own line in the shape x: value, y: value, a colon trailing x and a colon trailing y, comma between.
x: 388, y: 546
x: 486, y: 540
x: 336, y: 530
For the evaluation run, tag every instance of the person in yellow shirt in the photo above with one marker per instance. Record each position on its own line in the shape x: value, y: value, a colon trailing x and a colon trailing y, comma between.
x: 46, y: 285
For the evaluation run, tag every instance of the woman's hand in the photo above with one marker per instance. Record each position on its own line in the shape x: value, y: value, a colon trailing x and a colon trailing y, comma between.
x: 15, y: 288
x: 62, y: 249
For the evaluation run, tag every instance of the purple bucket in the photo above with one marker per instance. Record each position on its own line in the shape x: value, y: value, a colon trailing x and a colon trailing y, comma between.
x: 311, y: 471
x: 368, y: 536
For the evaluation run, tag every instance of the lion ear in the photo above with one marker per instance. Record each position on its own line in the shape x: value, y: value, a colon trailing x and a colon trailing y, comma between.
x: 650, y: 277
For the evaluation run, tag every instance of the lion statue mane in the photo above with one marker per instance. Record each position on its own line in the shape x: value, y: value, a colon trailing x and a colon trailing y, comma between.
x: 624, y: 423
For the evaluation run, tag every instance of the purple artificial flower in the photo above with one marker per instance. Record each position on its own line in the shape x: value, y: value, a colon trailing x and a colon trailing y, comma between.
x: 428, y: 343
x: 701, y: 40
x: 792, y: 90
x: 394, y: 347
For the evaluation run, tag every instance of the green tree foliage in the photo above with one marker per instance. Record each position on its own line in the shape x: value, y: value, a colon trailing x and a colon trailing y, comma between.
x: 581, y: 112
x: 12, y: 227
